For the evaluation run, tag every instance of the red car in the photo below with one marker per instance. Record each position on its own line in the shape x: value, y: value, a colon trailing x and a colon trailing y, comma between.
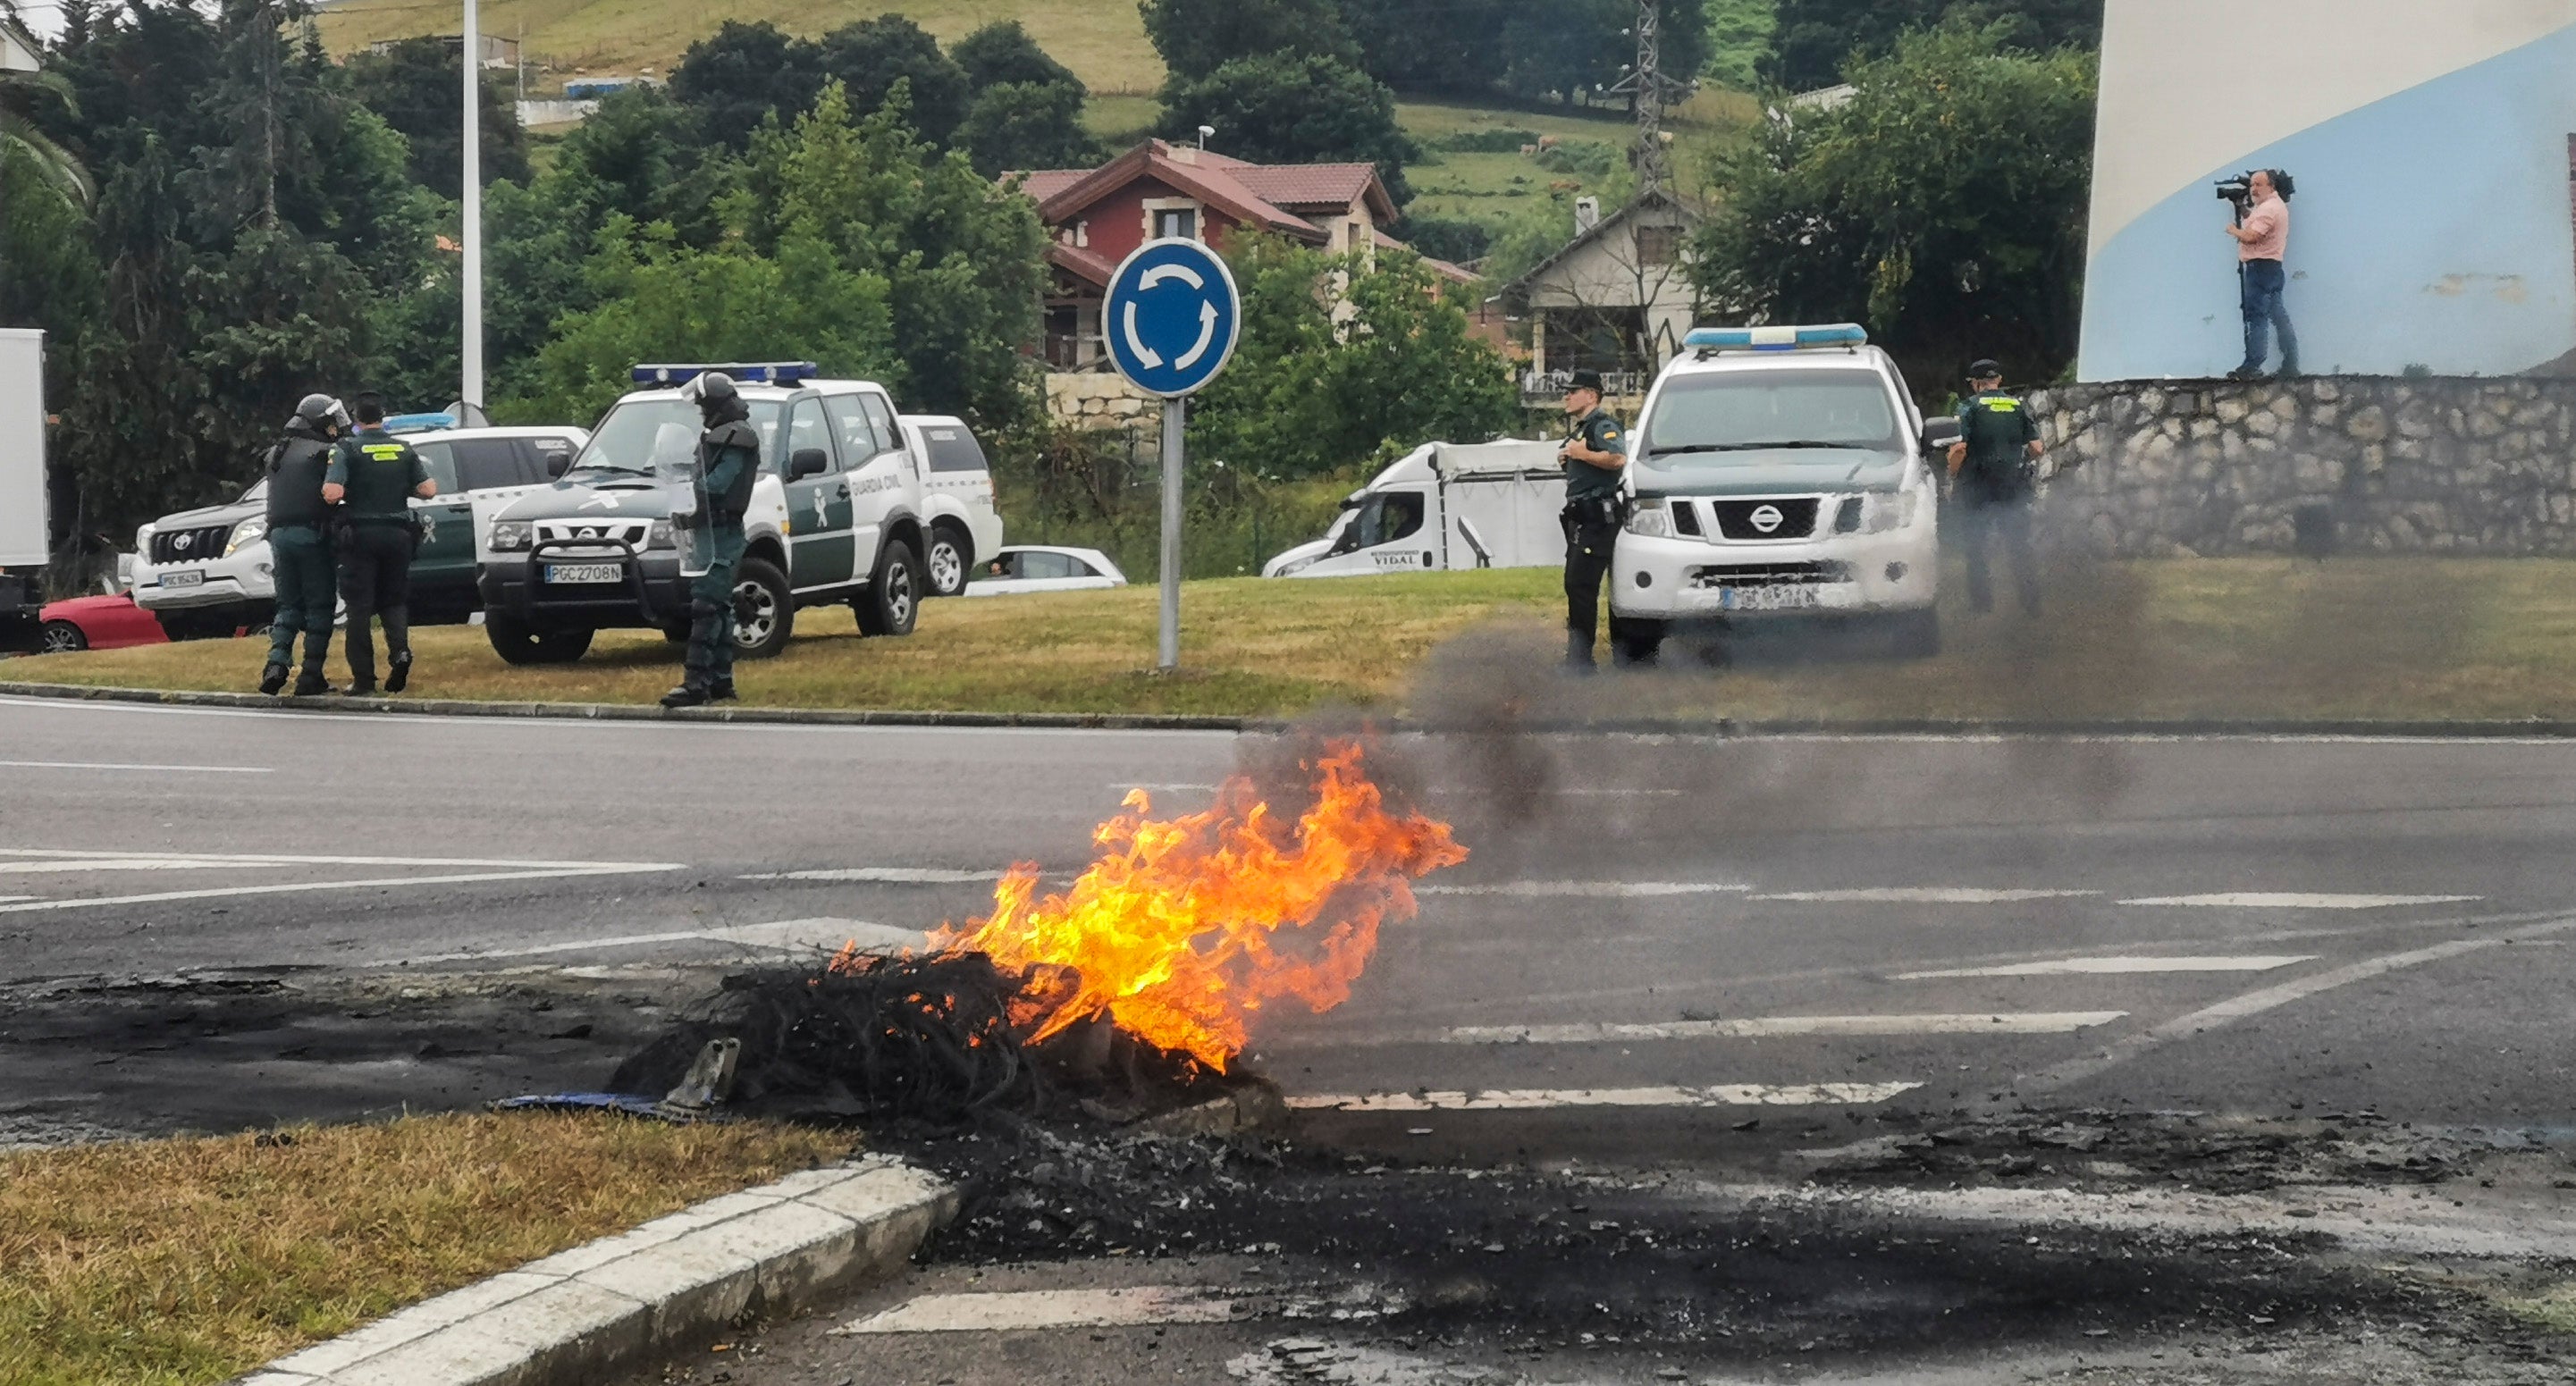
x: 96, y: 623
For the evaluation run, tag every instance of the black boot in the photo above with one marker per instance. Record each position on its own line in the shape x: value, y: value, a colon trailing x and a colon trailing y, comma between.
x: 398, y: 672
x: 272, y: 679
x: 690, y: 694
x: 362, y: 688
x: 311, y: 684
x: 721, y: 691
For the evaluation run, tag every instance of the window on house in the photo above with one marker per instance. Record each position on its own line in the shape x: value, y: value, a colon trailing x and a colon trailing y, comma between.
x: 1170, y: 222
x: 1658, y: 245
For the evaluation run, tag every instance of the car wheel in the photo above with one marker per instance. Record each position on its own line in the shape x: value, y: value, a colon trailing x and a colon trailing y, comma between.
x: 764, y: 610
x: 60, y: 637
x: 1917, y: 634
x: 950, y: 558
x: 893, y: 599
x: 518, y: 645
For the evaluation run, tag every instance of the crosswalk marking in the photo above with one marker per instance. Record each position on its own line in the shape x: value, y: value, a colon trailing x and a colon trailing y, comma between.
x: 1601, y: 890
x: 304, y: 887
x: 886, y: 875
x: 1925, y: 895
x: 14, y: 868
x: 1534, y: 1099
x: 152, y: 769
x: 1776, y: 1026
x: 785, y: 936
x: 2267, y: 900
x: 2090, y: 967
x: 1004, y: 1311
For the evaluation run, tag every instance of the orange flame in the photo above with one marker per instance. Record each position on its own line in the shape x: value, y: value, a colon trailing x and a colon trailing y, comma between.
x: 1176, y: 931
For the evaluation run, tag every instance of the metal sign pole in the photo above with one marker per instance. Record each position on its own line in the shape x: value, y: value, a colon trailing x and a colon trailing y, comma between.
x: 1176, y: 414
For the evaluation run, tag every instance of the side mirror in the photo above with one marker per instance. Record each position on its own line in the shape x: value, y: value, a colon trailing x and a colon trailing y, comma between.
x: 558, y: 463
x: 1939, y: 434
x: 808, y: 462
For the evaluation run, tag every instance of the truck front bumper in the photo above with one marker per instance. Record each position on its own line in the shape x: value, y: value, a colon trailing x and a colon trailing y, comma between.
x: 651, y: 590
x: 1686, y: 579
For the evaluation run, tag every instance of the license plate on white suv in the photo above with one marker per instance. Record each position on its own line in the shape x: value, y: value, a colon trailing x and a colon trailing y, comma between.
x: 574, y: 573
x: 191, y: 578
x: 1778, y: 598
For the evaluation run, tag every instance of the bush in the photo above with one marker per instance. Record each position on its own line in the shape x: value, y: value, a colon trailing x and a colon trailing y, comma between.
x: 1583, y: 158
x: 1511, y: 141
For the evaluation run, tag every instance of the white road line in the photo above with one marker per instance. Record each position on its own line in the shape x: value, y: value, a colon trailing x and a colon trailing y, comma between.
x: 1533, y: 1099
x: 10, y: 868
x: 886, y: 875
x: 1924, y: 895
x: 303, y: 887
x: 272, y: 858
x: 2264, y: 900
x: 5, y: 899
x: 2061, y: 1023
x: 2110, y: 967
x: 1122, y: 786
x: 786, y: 936
x: 1023, y: 1310
x: 119, y: 765
x: 1607, y: 890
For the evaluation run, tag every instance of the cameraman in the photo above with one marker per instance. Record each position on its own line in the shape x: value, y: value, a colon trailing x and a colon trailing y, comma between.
x: 2261, y: 230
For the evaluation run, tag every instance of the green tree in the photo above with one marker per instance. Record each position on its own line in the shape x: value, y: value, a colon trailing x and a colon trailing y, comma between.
x: 1287, y: 109
x: 41, y: 161
x: 1003, y: 52
x: 638, y: 156
x: 1815, y: 39
x: 1432, y: 45
x: 1027, y: 125
x: 1739, y: 38
x: 1902, y: 210
x: 742, y: 73
x: 872, y: 57
x: 1196, y: 37
x: 418, y: 86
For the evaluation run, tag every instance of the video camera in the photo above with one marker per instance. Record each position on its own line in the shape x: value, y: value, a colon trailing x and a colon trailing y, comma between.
x: 2240, y: 189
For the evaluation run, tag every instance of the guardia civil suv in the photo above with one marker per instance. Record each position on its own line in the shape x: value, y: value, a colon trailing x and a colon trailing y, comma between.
x: 836, y: 517
x: 1780, y: 473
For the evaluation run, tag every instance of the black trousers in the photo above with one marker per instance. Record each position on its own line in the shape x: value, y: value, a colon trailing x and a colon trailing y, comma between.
x: 375, y: 579
x: 1587, y: 562
x: 1984, y: 520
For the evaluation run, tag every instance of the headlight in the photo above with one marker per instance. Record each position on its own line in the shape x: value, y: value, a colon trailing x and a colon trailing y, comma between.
x: 510, y: 536
x: 1294, y: 567
x: 1652, y: 519
x: 660, y: 538
x: 245, y: 534
x: 143, y: 542
x: 1885, y: 511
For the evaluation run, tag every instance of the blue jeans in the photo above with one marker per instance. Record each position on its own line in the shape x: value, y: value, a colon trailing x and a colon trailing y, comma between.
x: 2264, y: 311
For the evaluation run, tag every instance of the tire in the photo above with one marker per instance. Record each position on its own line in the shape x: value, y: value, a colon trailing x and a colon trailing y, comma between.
x: 677, y: 634
x: 764, y: 610
x: 893, y: 599
x: 60, y: 637
x: 1916, y: 634
x: 518, y: 645
x: 951, y: 558
x: 1636, y: 643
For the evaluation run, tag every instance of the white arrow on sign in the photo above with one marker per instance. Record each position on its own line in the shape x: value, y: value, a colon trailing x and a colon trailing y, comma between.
x: 1207, y: 338
x: 1183, y: 273
x: 1152, y: 360
x: 1208, y: 318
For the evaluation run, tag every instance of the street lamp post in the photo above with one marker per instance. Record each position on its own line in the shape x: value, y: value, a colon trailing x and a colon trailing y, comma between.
x: 472, y: 341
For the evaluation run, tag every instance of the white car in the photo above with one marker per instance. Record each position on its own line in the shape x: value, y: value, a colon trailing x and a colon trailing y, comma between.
x: 1779, y: 473
x: 957, y: 506
x: 1041, y: 568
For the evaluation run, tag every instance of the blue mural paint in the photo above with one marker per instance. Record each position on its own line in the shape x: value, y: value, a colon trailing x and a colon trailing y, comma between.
x: 2432, y: 228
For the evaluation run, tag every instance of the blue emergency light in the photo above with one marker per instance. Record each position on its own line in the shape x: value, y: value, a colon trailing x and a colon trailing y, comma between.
x: 743, y: 372
x: 420, y: 423
x: 1837, y: 335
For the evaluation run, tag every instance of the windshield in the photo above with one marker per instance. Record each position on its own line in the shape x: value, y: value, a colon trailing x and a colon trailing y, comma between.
x: 256, y: 495
x: 648, y: 436
x: 1714, y: 419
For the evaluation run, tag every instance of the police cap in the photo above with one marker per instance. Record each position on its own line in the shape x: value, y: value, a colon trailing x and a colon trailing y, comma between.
x: 1985, y: 370
x: 1585, y: 380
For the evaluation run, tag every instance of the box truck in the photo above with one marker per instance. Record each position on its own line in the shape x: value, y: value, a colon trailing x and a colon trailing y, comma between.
x: 1445, y: 506
x: 23, y: 511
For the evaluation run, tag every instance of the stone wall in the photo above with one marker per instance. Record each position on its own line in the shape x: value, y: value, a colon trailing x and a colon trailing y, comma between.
x: 1100, y: 399
x: 2353, y: 464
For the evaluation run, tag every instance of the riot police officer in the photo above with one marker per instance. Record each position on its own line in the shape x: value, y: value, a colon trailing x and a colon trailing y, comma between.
x: 1595, y: 458
x: 372, y: 479
x: 299, y: 554
x: 728, y: 465
x: 1993, y: 481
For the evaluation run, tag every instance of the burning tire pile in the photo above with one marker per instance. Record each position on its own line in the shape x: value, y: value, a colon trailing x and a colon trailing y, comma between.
x: 1129, y: 993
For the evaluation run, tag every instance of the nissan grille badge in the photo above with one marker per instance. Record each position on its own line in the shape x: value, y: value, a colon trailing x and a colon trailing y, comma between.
x: 1768, y: 519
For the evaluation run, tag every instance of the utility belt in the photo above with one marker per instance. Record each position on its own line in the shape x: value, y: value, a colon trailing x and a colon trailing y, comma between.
x: 385, y: 521
x: 1597, y: 510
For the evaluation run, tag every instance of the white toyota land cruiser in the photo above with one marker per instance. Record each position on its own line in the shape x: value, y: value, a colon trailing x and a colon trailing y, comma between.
x: 1779, y: 472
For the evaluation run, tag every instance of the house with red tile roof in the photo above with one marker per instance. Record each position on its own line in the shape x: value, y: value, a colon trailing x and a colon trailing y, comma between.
x: 1098, y: 216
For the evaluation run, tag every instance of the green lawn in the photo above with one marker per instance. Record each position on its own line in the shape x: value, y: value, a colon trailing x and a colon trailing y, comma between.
x: 2253, y: 638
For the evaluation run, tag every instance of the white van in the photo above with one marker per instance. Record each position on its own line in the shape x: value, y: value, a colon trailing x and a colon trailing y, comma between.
x: 1445, y: 506
x: 957, y: 504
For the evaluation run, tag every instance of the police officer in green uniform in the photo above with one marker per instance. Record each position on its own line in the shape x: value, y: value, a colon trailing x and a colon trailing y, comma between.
x: 372, y: 479
x: 1993, y: 481
x: 728, y: 465
x: 1595, y: 456
x: 299, y: 555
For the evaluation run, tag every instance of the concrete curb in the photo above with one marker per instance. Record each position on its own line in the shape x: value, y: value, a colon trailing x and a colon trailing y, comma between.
x: 584, y: 1315
x: 2552, y: 729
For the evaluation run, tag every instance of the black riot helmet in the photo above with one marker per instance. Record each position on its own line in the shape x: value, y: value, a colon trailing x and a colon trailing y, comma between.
x: 717, y: 399
x: 320, y: 414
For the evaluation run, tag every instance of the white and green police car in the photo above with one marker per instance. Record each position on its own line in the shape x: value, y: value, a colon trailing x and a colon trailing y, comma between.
x: 835, y: 517
x: 1780, y: 473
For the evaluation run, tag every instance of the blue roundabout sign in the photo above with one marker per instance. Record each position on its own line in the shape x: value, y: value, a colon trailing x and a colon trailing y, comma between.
x: 1172, y: 317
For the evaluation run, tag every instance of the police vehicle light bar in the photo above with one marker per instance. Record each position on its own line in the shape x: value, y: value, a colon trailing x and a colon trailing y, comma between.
x: 743, y: 372
x: 1777, y: 338
x: 420, y: 423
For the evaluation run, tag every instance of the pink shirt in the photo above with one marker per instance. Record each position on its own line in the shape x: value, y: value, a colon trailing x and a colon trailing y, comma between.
x: 2268, y: 226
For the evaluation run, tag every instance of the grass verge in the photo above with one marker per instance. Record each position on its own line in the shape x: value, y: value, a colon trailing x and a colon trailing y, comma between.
x: 193, y: 1260
x: 2212, y: 638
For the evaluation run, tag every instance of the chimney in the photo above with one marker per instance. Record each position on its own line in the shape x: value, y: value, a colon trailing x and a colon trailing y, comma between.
x: 1182, y: 153
x: 1587, y: 214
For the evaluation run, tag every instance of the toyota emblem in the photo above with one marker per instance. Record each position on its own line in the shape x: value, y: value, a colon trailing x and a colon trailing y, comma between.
x: 1768, y: 519
x: 186, y: 539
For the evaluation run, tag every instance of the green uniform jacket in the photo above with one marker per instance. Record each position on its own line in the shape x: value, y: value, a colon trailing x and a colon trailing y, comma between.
x: 1601, y: 433
x: 381, y: 472
x: 1999, y: 430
